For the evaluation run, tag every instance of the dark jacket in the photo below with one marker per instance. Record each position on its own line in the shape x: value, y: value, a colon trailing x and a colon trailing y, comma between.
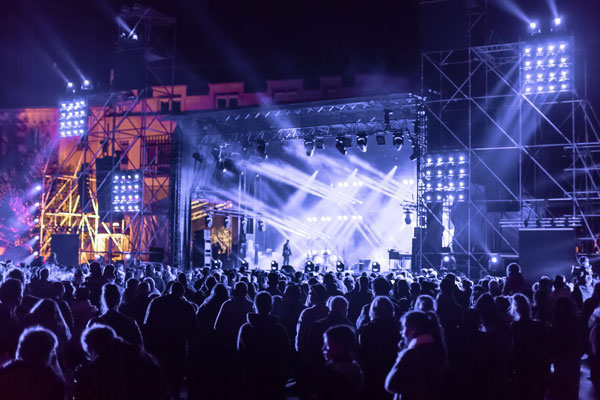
x: 121, y: 371
x: 25, y: 381
x: 377, y: 349
x: 418, y: 373
x: 124, y: 326
x: 231, y: 317
x: 315, y: 337
x: 265, y: 356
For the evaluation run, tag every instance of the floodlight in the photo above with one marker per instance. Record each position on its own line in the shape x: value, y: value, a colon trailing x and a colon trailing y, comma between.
x: 340, y: 145
x: 339, y: 266
x: 274, y: 265
x: 35, y: 253
x: 557, y: 21
x: 533, y: 25
x: 361, y: 142
x: 134, y: 36
x: 309, y: 146
x: 375, y: 267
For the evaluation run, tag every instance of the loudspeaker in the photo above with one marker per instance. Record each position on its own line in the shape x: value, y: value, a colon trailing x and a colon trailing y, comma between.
x: 66, y: 247
x: 547, y: 252
x: 83, y: 188
x: 103, y: 183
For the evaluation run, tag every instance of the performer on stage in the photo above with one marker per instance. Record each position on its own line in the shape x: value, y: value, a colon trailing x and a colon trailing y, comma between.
x: 287, y: 252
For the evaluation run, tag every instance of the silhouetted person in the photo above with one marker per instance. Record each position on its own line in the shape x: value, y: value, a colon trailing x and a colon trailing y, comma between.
x: 94, y: 283
x: 82, y: 310
x: 11, y: 293
x: 291, y: 308
x: 117, y: 370
x: 530, y: 366
x: 342, y: 377
x: 317, y: 297
x: 359, y: 299
x: 125, y: 327
x: 421, y: 366
x: 47, y: 315
x: 567, y: 345
x: 379, y: 287
x: 265, y: 353
x: 272, y: 284
x: 170, y: 324
x: 515, y: 282
x: 338, y: 312
x: 232, y: 316
x: 33, y: 375
x: 56, y: 292
x: 139, y: 304
x: 377, y: 346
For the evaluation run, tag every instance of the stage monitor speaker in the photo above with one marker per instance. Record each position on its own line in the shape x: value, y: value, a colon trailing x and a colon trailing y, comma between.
x: 548, y: 252
x: 66, y: 247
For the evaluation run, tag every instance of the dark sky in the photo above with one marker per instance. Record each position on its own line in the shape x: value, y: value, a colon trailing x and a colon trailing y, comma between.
x: 221, y: 40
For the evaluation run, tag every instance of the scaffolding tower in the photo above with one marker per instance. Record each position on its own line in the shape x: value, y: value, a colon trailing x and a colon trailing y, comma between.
x: 532, y: 158
x: 126, y: 131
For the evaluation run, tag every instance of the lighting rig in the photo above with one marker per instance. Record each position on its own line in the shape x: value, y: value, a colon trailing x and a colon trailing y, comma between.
x: 127, y: 191
x: 445, y: 177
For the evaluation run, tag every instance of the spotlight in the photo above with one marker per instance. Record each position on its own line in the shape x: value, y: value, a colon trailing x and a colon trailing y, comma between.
x: 339, y: 266
x: 37, y: 237
x: 128, y: 256
x: 309, y: 146
x: 448, y: 262
x: 340, y: 145
x: 38, y: 188
x: 398, y: 140
x: 380, y: 139
x: 309, y: 267
x: 557, y: 21
x: 70, y: 85
x: 274, y: 265
x: 361, y: 142
x: 446, y: 258
x: 244, y: 266
x: 534, y: 28
x: 532, y: 25
x: 375, y: 267
x: 208, y: 221
x: 36, y: 204
x: 261, y: 226
x: 494, y: 259
x: 35, y: 253
x: 36, y: 220
x: 407, y: 218
x: 134, y: 36
x: 227, y: 222
x: 86, y: 85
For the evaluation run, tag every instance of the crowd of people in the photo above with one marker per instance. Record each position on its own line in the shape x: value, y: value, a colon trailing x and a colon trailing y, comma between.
x: 109, y: 332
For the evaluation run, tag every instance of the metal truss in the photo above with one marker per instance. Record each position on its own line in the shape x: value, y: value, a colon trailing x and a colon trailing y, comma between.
x: 129, y: 130
x: 530, y: 158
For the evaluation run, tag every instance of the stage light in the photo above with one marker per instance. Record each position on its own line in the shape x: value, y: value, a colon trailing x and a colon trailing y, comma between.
x: 429, y: 160
x: 319, y: 143
x: 534, y: 28
x: 36, y: 204
x: 127, y: 192
x: 563, y: 46
x: 134, y: 36
x: 37, y: 237
x: 36, y: 220
x: 274, y: 265
x: 309, y: 146
x: 532, y: 25
x: 339, y: 266
x: 227, y: 222
x: 340, y: 145
x: 38, y: 188
x: 446, y: 258
x: 398, y: 140
x: 35, y: 253
x: 494, y: 259
x: 72, y: 118
x: 407, y: 217
x: 262, y: 227
x: 375, y: 267
x: 70, y: 85
x: 361, y: 142
x: 128, y: 256
x: 557, y: 21
x: 86, y: 84
x: 309, y: 267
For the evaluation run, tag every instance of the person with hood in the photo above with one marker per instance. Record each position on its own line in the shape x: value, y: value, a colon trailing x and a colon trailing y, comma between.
x: 265, y: 353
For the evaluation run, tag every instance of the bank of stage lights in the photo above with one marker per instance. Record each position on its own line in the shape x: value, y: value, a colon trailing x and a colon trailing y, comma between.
x: 339, y: 218
x: 73, y: 118
x: 546, y: 62
x: 127, y: 190
x: 445, y: 177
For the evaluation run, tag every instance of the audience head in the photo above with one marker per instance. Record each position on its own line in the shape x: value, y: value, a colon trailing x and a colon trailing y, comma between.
x: 16, y: 273
x: 95, y: 338
x: 338, y: 305
x: 82, y: 294
x: 512, y: 269
x: 95, y: 269
x: 425, y: 303
x: 520, y: 308
x: 317, y: 294
x: 338, y: 343
x: 381, y: 308
x: 240, y: 290
x: 37, y: 345
x: 111, y: 297
x: 44, y: 274
x: 263, y: 303
x: 381, y: 286
x: 11, y: 292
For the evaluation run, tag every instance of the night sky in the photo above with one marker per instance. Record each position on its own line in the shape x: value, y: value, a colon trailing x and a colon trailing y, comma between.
x: 220, y: 40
